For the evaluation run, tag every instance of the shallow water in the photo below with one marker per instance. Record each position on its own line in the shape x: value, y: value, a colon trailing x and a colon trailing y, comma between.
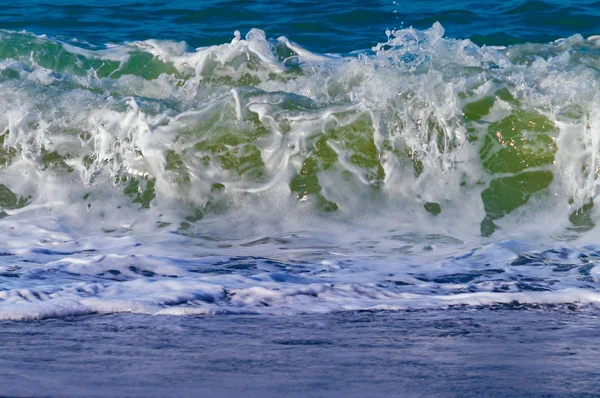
x: 460, y: 352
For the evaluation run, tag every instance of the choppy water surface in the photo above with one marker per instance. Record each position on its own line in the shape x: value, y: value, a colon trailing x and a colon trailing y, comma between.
x: 188, y: 160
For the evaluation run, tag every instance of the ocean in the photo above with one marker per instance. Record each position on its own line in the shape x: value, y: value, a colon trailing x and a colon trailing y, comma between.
x: 302, y: 198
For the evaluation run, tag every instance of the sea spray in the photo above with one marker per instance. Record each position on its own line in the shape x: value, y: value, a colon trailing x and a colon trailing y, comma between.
x: 424, y: 172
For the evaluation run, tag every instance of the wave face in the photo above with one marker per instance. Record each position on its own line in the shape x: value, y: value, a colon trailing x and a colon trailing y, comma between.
x: 256, y: 175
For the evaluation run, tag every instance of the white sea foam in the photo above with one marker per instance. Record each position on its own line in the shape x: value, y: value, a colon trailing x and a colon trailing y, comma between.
x: 171, y: 274
x: 154, y: 178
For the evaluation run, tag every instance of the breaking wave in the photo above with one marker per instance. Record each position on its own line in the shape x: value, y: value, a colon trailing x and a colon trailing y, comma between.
x: 411, y: 158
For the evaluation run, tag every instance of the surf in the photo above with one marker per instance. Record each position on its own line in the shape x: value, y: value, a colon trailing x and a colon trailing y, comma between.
x: 386, y: 178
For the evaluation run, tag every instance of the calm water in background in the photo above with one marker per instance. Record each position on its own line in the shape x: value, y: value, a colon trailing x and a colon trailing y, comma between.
x: 334, y: 26
x: 312, y: 343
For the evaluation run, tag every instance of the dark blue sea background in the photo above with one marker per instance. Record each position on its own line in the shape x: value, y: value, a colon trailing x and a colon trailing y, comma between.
x: 337, y: 26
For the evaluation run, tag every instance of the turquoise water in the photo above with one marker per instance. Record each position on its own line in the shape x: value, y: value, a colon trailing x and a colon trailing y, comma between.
x: 220, y: 163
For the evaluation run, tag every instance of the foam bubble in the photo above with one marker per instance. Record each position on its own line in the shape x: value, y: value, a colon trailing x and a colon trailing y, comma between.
x: 294, y: 181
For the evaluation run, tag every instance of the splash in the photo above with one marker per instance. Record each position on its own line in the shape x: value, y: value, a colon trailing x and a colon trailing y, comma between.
x: 422, y: 146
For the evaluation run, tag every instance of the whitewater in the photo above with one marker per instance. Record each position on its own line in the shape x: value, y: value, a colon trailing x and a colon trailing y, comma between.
x: 257, y: 176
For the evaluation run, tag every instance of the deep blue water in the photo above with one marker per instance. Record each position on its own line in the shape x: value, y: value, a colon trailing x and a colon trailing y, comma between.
x: 325, y: 26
